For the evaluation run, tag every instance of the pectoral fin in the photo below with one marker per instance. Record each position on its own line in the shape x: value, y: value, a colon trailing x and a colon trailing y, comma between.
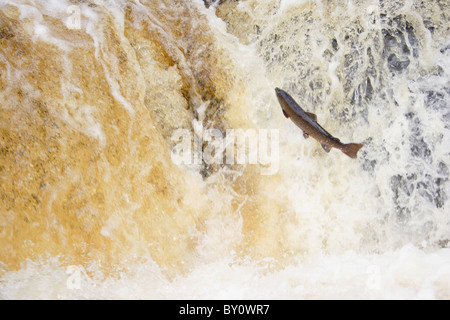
x: 305, y: 135
x: 285, y: 114
x: 312, y: 115
x: 326, y: 148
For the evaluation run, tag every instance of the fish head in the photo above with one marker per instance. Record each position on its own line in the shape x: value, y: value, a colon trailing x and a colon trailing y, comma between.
x: 281, y: 95
x: 279, y: 92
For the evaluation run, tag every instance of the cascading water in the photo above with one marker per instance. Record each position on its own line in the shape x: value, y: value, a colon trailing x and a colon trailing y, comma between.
x: 93, y: 204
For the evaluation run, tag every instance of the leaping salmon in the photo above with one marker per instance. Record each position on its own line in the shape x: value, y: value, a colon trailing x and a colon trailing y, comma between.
x: 308, y: 123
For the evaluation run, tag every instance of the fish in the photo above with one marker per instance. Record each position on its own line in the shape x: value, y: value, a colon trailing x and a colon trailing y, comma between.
x: 307, y: 122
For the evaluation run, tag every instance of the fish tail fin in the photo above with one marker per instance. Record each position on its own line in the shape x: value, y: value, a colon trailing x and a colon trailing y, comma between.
x: 351, y: 149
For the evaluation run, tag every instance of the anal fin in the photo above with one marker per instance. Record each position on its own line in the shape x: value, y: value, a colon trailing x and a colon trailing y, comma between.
x: 285, y: 114
x: 305, y: 135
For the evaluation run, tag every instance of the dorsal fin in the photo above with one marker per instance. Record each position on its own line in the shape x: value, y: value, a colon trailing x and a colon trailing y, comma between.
x: 312, y: 115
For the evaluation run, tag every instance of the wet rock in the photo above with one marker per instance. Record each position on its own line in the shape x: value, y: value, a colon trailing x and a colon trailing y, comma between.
x: 404, y: 184
x: 389, y: 41
x: 209, y: 3
x: 397, y: 65
x: 429, y: 25
x: 429, y: 188
x: 335, y: 45
x: 419, y: 148
x: 445, y: 49
x: 443, y: 169
x: 400, y: 42
x: 369, y: 165
x: 412, y: 38
x: 436, y: 100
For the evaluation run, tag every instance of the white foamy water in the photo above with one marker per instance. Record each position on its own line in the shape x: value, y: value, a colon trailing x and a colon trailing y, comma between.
x: 407, y: 273
x: 324, y: 226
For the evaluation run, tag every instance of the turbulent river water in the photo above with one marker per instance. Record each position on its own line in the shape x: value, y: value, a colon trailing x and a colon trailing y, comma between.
x: 95, y: 202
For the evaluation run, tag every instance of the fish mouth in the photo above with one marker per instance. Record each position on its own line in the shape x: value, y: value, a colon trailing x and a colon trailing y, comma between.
x: 279, y: 92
